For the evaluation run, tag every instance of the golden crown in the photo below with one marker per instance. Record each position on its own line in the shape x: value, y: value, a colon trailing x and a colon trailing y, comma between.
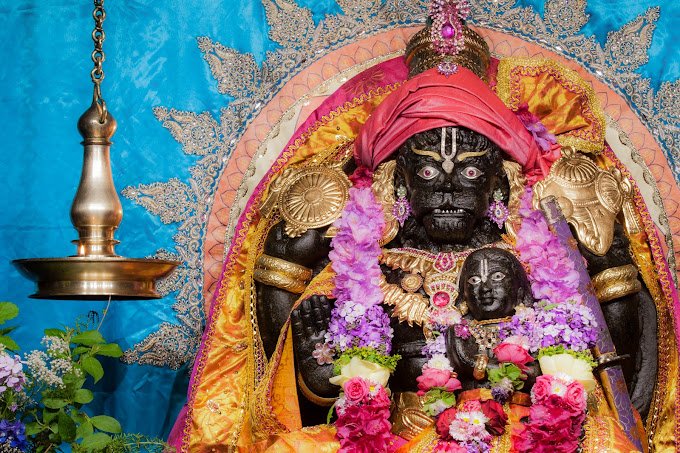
x: 446, y: 42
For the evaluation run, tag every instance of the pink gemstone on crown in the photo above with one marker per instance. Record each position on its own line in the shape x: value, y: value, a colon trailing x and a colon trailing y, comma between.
x: 441, y: 299
x: 448, y: 31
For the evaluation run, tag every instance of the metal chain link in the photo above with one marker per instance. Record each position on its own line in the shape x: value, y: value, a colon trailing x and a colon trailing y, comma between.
x: 98, y: 56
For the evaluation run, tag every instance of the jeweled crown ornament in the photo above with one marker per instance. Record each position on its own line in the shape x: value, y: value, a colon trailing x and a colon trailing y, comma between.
x: 447, y: 43
x: 96, y: 271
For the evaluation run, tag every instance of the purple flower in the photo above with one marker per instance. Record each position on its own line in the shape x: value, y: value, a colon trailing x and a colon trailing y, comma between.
x: 11, y: 373
x: 14, y: 434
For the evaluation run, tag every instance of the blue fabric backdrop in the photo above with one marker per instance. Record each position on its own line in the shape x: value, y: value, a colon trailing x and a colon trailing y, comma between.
x: 152, y: 60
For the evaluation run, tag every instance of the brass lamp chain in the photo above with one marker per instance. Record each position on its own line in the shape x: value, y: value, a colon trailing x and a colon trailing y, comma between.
x: 98, y: 57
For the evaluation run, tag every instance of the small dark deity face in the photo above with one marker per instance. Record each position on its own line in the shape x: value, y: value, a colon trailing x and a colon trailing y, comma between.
x: 449, y: 174
x: 493, y: 283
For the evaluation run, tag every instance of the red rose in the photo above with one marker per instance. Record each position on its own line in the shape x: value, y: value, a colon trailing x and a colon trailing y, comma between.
x: 541, y: 389
x: 576, y: 396
x: 444, y: 421
x: 497, y: 417
x: 356, y: 389
x: 513, y: 353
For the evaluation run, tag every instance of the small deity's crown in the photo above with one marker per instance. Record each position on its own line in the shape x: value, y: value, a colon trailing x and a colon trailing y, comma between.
x: 446, y: 42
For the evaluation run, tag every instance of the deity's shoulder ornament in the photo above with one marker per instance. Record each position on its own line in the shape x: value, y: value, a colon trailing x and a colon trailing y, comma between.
x: 590, y: 198
x: 307, y: 197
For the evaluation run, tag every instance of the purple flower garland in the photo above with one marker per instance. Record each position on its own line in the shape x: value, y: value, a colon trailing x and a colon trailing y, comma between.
x: 358, y: 319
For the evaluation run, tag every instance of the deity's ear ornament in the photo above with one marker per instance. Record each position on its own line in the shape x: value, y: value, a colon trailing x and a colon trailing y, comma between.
x: 567, y: 105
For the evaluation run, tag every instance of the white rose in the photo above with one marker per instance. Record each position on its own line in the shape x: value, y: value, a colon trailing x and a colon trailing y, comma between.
x: 567, y: 364
x: 362, y: 368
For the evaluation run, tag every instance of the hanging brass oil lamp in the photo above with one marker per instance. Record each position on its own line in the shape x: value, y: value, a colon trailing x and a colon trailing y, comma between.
x: 96, y: 271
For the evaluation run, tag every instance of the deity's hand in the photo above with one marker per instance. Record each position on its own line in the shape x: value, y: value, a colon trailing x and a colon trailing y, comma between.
x: 310, y: 323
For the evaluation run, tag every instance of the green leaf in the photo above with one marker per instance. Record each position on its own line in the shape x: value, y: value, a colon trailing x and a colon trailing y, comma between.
x: 7, y: 330
x: 106, y: 423
x: 67, y: 427
x: 97, y: 441
x: 109, y: 350
x: 74, y: 381
x: 55, y: 333
x: 48, y: 416
x: 54, y: 403
x: 83, y: 396
x: 81, y: 350
x: 8, y: 311
x: 85, y: 429
x: 9, y: 343
x: 93, y: 367
x: 33, y: 428
x: 88, y: 338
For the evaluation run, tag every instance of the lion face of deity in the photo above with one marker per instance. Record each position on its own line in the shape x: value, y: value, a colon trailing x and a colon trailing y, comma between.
x: 449, y: 175
x: 493, y: 283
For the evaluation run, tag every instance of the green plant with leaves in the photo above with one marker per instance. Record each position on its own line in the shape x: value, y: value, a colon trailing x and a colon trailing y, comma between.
x: 43, y: 406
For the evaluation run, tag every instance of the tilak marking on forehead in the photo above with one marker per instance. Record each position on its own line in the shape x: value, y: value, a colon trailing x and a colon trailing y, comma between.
x: 448, y: 156
x: 484, y: 269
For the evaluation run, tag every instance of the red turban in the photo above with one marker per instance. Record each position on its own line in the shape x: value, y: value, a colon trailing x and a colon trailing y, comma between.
x: 431, y: 100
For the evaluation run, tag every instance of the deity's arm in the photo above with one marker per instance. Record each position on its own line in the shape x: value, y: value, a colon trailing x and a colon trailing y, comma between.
x: 282, y: 273
x: 630, y: 313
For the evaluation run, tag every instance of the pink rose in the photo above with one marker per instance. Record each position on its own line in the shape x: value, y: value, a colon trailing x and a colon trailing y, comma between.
x: 452, y: 385
x: 541, y: 389
x: 432, y: 377
x: 356, y: 389
x: 576, y: 396
x: 513, y: 353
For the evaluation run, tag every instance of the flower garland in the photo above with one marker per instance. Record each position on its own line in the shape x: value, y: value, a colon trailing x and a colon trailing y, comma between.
x: 359, y: 331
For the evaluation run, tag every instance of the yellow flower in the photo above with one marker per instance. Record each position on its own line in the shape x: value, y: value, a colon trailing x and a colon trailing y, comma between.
x: 362, y: 368
x: 566, y: 364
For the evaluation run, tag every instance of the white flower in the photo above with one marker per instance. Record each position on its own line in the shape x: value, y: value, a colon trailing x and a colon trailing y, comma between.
x: 362, y: 368
x: 567, y: 364
x: 37, y: 363
x: 56, y: 347
x: 439, y: 362
x: 476, y: 418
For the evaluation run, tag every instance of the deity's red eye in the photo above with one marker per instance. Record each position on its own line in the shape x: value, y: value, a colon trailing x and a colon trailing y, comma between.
x: 428, y: 173
x: 472, y: 172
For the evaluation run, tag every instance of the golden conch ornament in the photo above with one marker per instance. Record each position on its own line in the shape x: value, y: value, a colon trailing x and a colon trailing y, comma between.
x: 306, y: 198
x: 590, y: 198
